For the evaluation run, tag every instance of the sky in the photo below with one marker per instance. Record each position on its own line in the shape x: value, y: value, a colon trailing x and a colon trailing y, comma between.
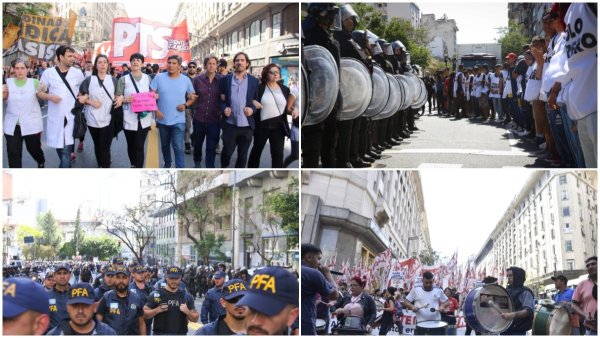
x: 476, y: 21
x: 463, y: 206
x: 65, y: 190
x: 162, y: 12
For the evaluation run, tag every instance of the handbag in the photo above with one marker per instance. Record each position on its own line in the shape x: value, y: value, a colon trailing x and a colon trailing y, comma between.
x: 80, y: 123
x: 284, y: 124
x: 116, y: 114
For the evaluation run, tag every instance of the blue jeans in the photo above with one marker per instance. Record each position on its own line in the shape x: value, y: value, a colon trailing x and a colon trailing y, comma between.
x: 172, y: 134
x: 572, y: 137
x: 211, y: 132
x: 556, y: 123
x: 515, y: 111
x: 498, y: 108
x: 64, y: 154
x: 587, y: 128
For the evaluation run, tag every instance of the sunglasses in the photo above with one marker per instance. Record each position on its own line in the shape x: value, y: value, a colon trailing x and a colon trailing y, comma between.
x: 192, y: 67
x: 274, y: 73
x: 234, y: 300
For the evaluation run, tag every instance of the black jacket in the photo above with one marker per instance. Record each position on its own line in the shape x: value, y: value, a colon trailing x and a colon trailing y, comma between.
x: 367, y: 303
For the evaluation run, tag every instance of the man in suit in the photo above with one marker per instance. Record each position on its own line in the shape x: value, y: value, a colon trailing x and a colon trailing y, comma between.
x: 238, y: 90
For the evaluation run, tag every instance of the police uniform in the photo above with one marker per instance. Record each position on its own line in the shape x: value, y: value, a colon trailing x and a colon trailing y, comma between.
x: 122, y: 313
x: 64, y: 329
x: 143, y: 293
x: 172, y: 321
x: 57, y: 306
x: 211, y: 307
x: 320, y: 139
x: 234, y: 288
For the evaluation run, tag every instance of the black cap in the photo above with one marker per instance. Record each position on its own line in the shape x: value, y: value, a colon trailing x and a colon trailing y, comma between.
x: 560, y: 277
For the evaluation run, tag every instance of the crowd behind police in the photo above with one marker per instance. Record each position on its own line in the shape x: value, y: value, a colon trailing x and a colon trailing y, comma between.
x: 323, y: 298
x: 195, y: 103
x: 141, y: 300
x: 359, y: 142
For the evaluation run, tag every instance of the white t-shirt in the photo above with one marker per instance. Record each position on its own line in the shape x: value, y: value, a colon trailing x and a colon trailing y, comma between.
x: 272, y: 108
x: 433, y: 299
x: 495, y: 85
x: 532, y: 90
x: 507, y: 84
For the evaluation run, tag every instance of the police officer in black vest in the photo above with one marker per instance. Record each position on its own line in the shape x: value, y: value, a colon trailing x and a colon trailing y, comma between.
x: 319, y: 140
x: 122, y: 309
x: 107, y: 284
x: 171, y: 307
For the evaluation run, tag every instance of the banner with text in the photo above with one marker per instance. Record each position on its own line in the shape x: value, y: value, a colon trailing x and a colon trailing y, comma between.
x: 156, y: 41
x: 39, y: 36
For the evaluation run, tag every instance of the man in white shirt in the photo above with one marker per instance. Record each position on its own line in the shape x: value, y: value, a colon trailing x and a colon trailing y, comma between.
x: 426, y: 301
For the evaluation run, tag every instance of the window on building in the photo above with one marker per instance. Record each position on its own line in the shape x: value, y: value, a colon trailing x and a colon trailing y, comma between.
x: 290, y: 19
x: 562, y: 179
x: 247, y: 37
x: 569, y: 246
x: 254, y: 32
x: 263, y: 30
x: 564, y: 196
x: 566, y: 212
x: 276, y: 19
x: 328, y: 243
x: 234, y: 40
x: 570, y: 264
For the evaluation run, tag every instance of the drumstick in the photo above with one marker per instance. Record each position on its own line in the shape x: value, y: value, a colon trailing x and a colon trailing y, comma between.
x: 494, y: 306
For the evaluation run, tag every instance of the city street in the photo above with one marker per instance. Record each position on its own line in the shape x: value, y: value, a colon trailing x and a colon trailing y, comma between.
x: 443, y: 142
x: 87, y: 159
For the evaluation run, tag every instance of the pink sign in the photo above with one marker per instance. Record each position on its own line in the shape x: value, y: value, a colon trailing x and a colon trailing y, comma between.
x: 141, y: 102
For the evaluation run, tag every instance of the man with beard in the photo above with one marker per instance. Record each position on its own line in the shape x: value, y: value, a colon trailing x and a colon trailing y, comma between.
x: 424, y: 300
x: 24, y: 310
x: 232, y: 322
x: 107, y: 285
x: 585, y: 298
x: 121, y: 309
x: 238, y: 91
x: 211, y: 307
x: 522, y: 298
x: 81, y: 321
x: 272, y: 302
x: 192, y: 71
x: 57, y: 303
x: 171, y: 307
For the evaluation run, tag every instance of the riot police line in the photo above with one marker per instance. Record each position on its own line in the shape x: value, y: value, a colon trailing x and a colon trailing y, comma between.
x: 363, y: 93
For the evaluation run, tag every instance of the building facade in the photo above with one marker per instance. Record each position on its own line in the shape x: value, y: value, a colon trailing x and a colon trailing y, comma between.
x: 94, y: 20
x: 408, y: 11
x: 442, y: 35
x: 550, y: 227
x: 354, y: 216
x: 267, y: 32
x: 530, y: 15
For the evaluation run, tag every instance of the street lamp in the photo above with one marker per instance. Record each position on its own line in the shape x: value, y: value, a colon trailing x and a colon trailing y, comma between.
x: 408, y: 246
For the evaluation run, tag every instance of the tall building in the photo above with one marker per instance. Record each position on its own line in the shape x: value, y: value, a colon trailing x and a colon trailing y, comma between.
x: 530, y: 15
x: 403, y: 10
x: 267, y: 32
x: 442, y: 35
x: 355, y: 215
x: 551, y: 226
x: 94, y: 20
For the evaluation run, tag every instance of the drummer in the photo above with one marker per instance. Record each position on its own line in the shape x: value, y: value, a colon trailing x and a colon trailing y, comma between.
x: 358, y: 304
x: 425, y: 300
x: 522, y: 298
x: 565, y: 296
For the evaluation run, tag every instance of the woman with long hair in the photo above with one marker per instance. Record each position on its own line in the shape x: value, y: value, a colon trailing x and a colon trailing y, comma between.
x: 271, y: 115
x: 97, y: 92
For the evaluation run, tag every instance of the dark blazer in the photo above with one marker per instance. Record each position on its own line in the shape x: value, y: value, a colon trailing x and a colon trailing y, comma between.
x: 262, y: 90
x: 252, y: 94
x: 367, y: 303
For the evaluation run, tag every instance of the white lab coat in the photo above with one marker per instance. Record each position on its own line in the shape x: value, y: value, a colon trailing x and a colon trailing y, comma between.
x: 22, y: 107
x: 57, y: 134
x: 130, y: 119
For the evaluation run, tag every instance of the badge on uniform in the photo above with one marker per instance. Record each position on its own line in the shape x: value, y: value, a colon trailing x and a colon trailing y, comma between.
x: 133, y: 307
x: 114, y: 305
x: 52, y: 301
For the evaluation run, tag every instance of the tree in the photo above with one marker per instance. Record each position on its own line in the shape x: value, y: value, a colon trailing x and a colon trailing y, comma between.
x: 512, y: 37
x: 102, y: 247
x: 278, y: 212
x: 197, y: 209
x: 133, y: 227
x: 66, y: 251
x: 51, y: 234
x: 12, y: 12
x: 78, y: 234
x: 429, y: 258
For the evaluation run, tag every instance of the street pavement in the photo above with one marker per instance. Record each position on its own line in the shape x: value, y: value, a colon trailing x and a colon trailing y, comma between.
x: 444, y: 142
x: 87, y: 158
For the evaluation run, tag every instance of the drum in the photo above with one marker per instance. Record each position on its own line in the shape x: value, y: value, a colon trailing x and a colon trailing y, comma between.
x: 551, y: 320
x: 483, y: 308
x: 350, y: 326
x: 431, y: 328
x: 321, y: 326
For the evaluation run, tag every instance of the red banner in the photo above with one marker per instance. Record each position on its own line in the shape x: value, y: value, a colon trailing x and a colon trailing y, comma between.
x: 156, y: 41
